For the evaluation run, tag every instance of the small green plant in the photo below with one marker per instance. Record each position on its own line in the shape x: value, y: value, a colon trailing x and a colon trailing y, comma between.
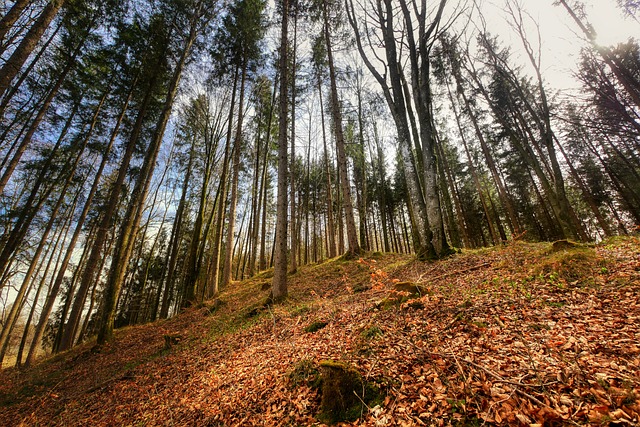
x: 630, y: 398
x: 300, y: 310
x: 556, y: 304
x: 539, y: 326
x: 304, y: 372
x: 371, y: 332
x: 457, y: 405
x: 602, y: 382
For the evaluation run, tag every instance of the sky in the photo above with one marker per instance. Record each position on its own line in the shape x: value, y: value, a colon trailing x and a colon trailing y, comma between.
x: 561, y: 38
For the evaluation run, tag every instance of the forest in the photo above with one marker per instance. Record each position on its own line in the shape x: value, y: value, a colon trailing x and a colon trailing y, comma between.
x: 155, y: 152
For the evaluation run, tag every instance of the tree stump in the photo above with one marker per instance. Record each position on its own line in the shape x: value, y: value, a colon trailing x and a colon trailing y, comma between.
x: 340, y: 384
x: 171, y: 340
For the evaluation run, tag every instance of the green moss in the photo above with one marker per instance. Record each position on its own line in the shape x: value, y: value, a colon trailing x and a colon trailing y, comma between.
x: 360, y: 287
x: 409, y: 289
x: 267, y: 274
x: 351, y: 256
x: 315, y: 326
x: 574, y: 264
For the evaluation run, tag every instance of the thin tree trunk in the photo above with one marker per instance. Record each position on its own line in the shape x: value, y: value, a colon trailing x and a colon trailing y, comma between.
x: 214, y: 264
x: 176, y: 237
x: 330, y: 220
x: 293, y: 172
x: 69, y: 294
x: 359, y: 175
x: 32, y: 205
x: 29, y: 274
x: 262, y: 263
x: 397, y: 102
x: 64, y: 231
x: 472, y: 169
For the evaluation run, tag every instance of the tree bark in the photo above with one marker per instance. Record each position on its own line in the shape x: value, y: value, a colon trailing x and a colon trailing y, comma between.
x: 131, y: 222
x: 12, y: 66
x: 331, y: 243
x: 66, y: 341
x: 279, y: 283
x: 10, y: 18
x: 55, y: 287
x: 336, y: 113
x: 228, y: 255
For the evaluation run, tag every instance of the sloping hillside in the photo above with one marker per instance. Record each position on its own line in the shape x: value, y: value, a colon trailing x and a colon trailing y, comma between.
x: 522, y: 334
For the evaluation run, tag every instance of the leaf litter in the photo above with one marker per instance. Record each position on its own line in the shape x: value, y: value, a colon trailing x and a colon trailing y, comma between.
x: 522, y: 334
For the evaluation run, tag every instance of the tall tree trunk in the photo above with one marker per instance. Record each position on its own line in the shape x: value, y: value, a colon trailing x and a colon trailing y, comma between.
x: 198, y: 241
x: 256, y: 197
x: 397, y: 102
x: 228, y: 255
x: 293, y: 173
x: 128, y: 232
x: 11, y: 17
x: 331, y: 243
x: 279, y: 282
x: 359, y: 174
x: 213, y: 280
x: 156, y: 238
x: 262, y: 263
x: 419, y: 55
x: 336, y: 113
x: 505, y: 199
x: 14, y: 63
x: 175, y: 239
x: 66, y: 340
x: 55, y: 287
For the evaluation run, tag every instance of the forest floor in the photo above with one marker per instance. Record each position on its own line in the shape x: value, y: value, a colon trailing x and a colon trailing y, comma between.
x: 522, y: 334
